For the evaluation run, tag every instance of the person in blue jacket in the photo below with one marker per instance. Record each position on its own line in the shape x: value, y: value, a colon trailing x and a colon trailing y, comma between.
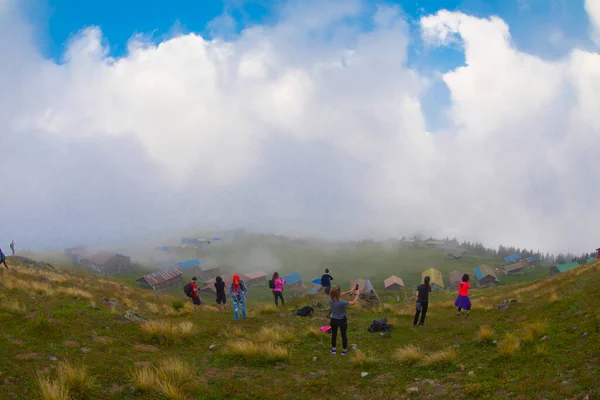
x: 238, y: 296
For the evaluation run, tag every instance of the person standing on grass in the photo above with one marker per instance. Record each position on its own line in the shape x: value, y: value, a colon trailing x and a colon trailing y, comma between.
x: 3, y: 259
x: 195, y: 297
x: 278, y: 289
x: 462, y: 301
x: 12, y: 247
x: 339, y: 318
x: 221, y: 296
x: 238, y: 295
x: 326, y: 281
x: 422, y: 296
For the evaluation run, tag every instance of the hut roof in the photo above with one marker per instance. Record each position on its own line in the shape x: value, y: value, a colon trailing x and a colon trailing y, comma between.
x: 159, y: 277
x: 513, y: 267
x: 255, y: 275
x: 512, y: 258
x: 189, y: 263
x: 292, y: 278
x: 483, y: 271
x: 567, y: 266
x: 393, y: 280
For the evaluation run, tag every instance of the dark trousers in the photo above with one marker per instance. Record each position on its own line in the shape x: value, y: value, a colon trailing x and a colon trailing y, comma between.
x: 327, y: 289
x: 278, y: 295
x: 342, y: 324
x: 13, y: 250
x: 4, y: 262
x: 422, y: 311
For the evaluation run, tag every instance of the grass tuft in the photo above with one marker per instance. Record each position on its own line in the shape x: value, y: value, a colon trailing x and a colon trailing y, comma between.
x: 166, y: 331
x: 485, y: 334
x: 509, y: 346
x: 145, y: 378
x: 75, y: 293
x: 276, y: 334
x: 77, y: 378
x: 363, y: 359
x: 52, y: 389
x: 266, y: 309
x: 409, y: 354
x: 12, y: 305
x: 445, y: 356
x: 266, y: 352
x: 554, y: 297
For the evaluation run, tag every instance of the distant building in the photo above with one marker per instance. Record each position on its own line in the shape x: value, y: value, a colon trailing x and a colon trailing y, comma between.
x: 486, y: 276
x: 393, y: 283
x: 512, y: 259
x: 591, y: 260
x: 513, y: 269
x: 107, y: 263
x: 255, y: 278
x: 454, y: 278
x: 162, y: 280
x: 293, y: 280
x: 560, y: 268
x: 456, y: 255
x: 437, y: 280
x: 434, y: 243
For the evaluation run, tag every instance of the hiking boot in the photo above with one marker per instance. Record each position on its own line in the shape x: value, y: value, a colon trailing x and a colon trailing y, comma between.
x: 345, y: 352
x: 333, y: 352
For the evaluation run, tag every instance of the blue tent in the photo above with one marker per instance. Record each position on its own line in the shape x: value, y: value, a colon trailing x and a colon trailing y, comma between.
x: 190, y: 241
x: 292, y: 278
x: 189, y: 263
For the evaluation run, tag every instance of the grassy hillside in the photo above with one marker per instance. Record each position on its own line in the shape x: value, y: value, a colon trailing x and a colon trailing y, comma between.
x: 63, y: 336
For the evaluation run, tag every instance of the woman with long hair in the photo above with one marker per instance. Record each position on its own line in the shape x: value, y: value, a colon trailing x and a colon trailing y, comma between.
x: 422, y: 296
x: 238, y: 296
x: 278, y: 289
x: 339, y: 318
x: 462, y: 301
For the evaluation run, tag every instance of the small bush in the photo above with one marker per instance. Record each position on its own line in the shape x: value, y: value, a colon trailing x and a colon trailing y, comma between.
x: 177, y: 305
x: 409, y: 354
x: 80, y: 382
x: 361, y: 359
x: 52, y: 389
x: 485, y: 334
x: 266, y: 352
x: 509, y: 346
x: 276, y: 334
x: 446, y: 356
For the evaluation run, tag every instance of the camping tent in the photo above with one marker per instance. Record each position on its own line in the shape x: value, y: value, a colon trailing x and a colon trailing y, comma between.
x: 437, y: 280
x: 393, y: 283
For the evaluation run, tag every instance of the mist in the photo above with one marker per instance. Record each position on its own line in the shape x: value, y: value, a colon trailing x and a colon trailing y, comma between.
x: 300, y: 129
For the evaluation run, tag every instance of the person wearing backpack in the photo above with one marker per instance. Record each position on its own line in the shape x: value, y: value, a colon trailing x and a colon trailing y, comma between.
x: 339, y: 319
x: 326, y: 281
x: 221, y: 297
x: 3, y: 259
x: 238, y: 296
x: 422, y: 296
x: 191, y: 290
x: 278, y: 288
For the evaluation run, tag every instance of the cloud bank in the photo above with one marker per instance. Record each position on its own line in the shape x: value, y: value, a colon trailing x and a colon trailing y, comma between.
x: 300, y: 127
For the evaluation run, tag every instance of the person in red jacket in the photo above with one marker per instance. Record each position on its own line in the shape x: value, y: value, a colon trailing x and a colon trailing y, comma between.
x: 462, y: 301
x: 195, y: 296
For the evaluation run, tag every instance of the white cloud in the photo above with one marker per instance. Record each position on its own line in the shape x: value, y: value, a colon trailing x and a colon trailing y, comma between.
x: 311, y: 125
x: 593, y: 9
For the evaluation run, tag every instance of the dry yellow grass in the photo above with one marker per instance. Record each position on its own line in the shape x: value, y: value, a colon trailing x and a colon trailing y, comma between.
x: 11, y: 282
x: 77, y: 378
x: 169, y: 380
x: 167, y: 330
x: 485, y: 334
x: 408, y: 354
x: 75, y: 292
x: 276, y: 334
x: 540, y: 350
x: 12, y: 305
x: 249, y: 350
x: 509, y: 346
x: 554, y: 297
x: 170, y: 391
x: 176, y: 371
x: 265, y: 309
x: 153, y: 308
x: 52, y: 389
x: 360, y: 358
x: 313, y: 331
x: 445, y: 356
x: 145, y: 378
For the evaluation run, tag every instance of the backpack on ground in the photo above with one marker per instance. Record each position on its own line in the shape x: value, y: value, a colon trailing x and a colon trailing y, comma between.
x: 188, y: 290
x: 380, y: 326
x: 305, y: 311
x: 271, y: 284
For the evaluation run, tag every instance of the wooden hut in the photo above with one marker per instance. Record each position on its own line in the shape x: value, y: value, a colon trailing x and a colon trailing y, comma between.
x: 486, y: 276
x: 107, y: 263
x: 454, y: 278
x: 557, y: 269
x: 162, y: 280
x: 513, y: 269
x: 393, y: 283
x: 255, y: 278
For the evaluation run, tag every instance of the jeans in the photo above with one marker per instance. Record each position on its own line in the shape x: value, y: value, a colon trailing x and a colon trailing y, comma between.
x: 239, y: 305
x: 278, y: 295
x: 421, y: 310
x: 342, y: 324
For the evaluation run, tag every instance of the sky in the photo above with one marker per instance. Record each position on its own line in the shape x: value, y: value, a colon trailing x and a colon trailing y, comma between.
x: 348, y: 119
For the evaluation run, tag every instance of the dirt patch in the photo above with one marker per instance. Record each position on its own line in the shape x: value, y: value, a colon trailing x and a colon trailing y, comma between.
x: 29, y: 356
x: 114, y: 389
x: 146, y: 348
x: 142, y: 364
x: 70, y: 343
x: 103, y: 339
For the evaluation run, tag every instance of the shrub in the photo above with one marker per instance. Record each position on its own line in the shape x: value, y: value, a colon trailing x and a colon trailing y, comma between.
x: 409, y: 354
x: 485, y: 334
x: 446, y: 356
x: 177, y: 305
x: 509, y: 346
